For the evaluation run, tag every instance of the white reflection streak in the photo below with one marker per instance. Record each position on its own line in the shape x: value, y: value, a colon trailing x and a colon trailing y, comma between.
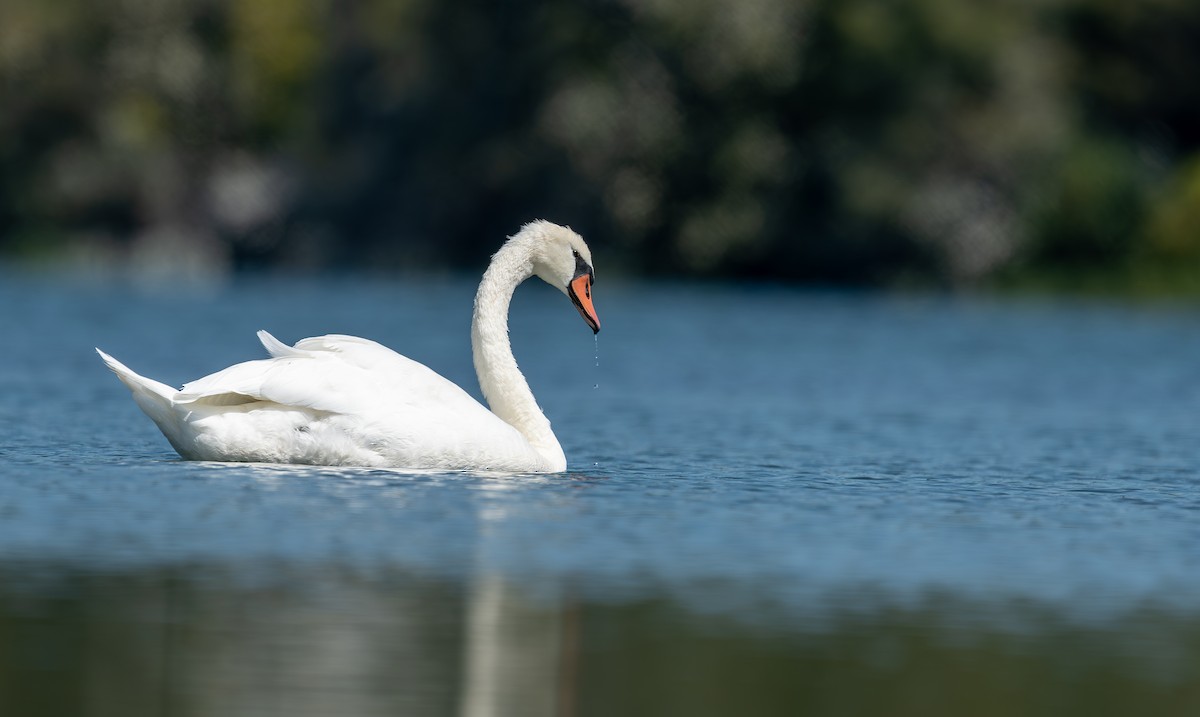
x: 514, y: 653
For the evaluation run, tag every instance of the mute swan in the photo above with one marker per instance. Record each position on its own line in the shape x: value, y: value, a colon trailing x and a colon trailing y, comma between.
x: 342, y: 400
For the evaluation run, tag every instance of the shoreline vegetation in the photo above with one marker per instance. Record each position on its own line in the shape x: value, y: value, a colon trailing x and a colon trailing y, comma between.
x: 1156, y: 284
x: 1050, y: 146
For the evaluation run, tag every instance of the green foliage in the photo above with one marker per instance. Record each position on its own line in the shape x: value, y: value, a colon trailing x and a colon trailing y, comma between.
x: 836, y: 141
x: 1173, y: 232
x: 1092, y: 207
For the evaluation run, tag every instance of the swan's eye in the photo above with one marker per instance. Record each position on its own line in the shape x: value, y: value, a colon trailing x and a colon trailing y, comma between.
x: 582, y: 267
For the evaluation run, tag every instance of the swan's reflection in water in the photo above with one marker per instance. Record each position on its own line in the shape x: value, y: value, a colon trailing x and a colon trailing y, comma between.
x: 518, y: 653
x: 417, y: 649
x: 298, y: 639
x: 520, y: 656
x: 211, y: 642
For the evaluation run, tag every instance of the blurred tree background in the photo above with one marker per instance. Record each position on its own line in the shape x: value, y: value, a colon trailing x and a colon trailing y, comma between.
x: 929, y: 142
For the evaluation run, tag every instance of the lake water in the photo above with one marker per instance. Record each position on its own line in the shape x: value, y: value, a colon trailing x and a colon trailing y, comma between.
x: 778, y: 502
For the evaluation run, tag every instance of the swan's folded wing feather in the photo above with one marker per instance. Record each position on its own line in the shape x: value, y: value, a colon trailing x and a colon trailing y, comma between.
x: 297, y: 382
x: 277, y: 348
x: 346, y: 346
x: 364, y: 353
x: 340, y: 343
x: 360, y: 352
x: 334, y: 374
x: 391, y: 372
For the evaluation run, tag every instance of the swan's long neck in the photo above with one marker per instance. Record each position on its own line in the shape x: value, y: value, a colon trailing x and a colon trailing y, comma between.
x: 502, y: 382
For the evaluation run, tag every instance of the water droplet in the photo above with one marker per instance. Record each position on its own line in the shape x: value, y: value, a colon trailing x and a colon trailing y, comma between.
x: 596, y: 337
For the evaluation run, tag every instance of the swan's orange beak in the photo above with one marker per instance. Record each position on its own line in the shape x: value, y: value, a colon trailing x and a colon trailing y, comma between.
x: 580, y: 290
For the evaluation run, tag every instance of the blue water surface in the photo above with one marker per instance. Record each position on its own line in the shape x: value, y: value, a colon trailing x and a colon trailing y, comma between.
x: 757, y: 456
x: 805, y: 446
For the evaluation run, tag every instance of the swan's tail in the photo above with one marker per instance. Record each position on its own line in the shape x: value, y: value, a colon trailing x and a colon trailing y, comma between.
x: 153, y: 397
x: 137, y: 384
x: 157, y: 400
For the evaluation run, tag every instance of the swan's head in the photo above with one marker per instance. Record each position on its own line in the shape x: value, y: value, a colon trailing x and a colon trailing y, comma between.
x: 561, y: 259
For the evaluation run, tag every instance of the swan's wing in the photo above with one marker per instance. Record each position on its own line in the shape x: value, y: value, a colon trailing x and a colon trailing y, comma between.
x: 290, y: 382
x: 391, y: 372
x: 335, y: 374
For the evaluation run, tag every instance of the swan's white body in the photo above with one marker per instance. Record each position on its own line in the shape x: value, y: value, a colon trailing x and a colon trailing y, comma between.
x: 342, y: 400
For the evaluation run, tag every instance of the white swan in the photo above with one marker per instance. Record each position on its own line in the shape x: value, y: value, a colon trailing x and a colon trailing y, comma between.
x: 342, y: 400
